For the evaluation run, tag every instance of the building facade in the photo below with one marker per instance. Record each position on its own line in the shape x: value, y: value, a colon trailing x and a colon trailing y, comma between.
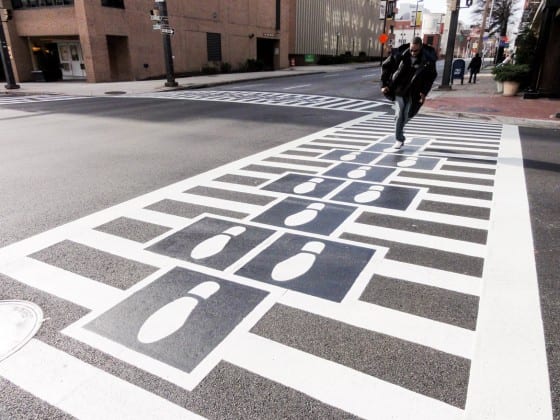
x: 543, y: 18
x: 333, y: 27
x: 112, y: 40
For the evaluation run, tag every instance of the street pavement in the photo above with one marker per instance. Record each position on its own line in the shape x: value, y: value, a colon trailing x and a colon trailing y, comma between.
x: 437, y: 225
x: 477, y: 101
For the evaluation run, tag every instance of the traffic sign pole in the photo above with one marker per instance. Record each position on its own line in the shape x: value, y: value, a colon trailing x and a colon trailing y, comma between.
x: 161, y: 5
x: 6, y: 61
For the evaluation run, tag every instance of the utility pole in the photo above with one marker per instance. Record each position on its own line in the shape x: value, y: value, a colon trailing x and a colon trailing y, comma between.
x: 480, y: 48
x: 450, y: 46
x: 166, y: 33
x: 389, y: 9
x: 5, y: 52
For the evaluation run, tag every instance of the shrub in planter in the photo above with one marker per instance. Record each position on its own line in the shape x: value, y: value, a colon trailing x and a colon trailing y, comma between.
x: 511, y: 73
x: 513, y: 77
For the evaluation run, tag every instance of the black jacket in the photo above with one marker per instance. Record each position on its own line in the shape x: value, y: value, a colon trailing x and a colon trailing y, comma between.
x: 475, y: 64
x: 405, y: 79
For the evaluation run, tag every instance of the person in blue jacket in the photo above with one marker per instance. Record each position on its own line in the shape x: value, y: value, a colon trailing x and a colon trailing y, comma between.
x: 406, y: 79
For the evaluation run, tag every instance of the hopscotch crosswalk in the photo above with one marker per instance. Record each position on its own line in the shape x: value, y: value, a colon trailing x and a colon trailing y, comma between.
x: 29, y: 99
x: 333, y: 265
x: 269, y: 98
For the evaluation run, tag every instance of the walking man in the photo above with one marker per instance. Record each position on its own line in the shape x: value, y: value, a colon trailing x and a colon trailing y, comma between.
x: 406, y: 79
x: 474, y: 67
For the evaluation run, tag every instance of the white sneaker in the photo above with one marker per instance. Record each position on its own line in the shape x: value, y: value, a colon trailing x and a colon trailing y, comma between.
x: 398, y: 144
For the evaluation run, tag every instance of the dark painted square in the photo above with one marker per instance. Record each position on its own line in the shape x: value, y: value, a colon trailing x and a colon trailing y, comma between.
x: 290, y: 183
x: 411, y: 141
x: 400, y: 161
x: 397, y: 198
x: 325, y: 221
x: 331, y: 275
x: 351, y: 156
x: 381, y: 147
x: 208, y: 324
x: 181, y: 244
x: 373, y: 174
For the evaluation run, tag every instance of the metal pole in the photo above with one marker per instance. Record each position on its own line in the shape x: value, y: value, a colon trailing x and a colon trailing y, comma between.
x: 384, y: 29
x: 480, y: 48
x: 450, y: 47
x: 415, y: 20
x: 6, y: 61
x: 337, y: 37
x: 168, y: 54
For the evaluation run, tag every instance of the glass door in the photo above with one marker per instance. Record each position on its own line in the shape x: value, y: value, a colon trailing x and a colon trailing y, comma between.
x: 71, y: 60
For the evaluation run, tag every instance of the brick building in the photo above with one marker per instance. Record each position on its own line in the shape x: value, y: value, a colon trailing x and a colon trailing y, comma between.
x: 111, y: 40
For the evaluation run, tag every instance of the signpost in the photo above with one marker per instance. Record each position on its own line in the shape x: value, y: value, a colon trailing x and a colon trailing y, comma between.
x: 159, y: 15
x: 5, y: 52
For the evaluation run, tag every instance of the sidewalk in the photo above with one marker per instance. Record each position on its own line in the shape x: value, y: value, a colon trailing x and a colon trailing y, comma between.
x: 482, y: 101
x: 479, y: 101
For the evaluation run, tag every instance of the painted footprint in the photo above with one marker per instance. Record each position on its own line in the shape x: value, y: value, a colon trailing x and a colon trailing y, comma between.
x: 171, y: 317
x: 216, y: 244
x: 298, y: 264
x: 408, y: 162
x: 307, y: 186
x: 304, y: 216
x: 359, y: 173
x: 372, y: 194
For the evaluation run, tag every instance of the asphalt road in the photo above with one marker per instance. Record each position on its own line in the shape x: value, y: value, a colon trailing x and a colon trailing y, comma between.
x: 327, y: 277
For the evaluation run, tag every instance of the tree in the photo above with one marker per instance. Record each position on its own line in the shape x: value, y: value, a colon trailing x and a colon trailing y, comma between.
x: 501, y: 15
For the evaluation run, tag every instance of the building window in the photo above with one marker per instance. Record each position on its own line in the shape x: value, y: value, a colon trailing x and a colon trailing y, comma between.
x: 26, y: 4
x: 119, y: 4
x: 214, y: 46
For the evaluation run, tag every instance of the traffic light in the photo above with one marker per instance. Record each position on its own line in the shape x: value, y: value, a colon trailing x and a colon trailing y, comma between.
x: 5, y: 15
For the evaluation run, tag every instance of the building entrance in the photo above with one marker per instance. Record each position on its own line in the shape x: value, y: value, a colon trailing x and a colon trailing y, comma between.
x: 266, y: 49
x: 71, y: 60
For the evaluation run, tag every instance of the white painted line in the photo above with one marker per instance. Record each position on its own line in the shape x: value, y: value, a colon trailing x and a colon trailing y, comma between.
x: 58, y: 282
x: 427, y: 332
x: 158, y: 218
x: 336, y: 385
x: 509, y: 377
x: 465, y: 201
x: 471, y: 175
x: 288, y: 166
x: 82, y: 390
x: 430, y: 277
x: 448, y: 184
x: 218, y: 203
x: 296, y: 87
x: 418, y: 239
x: 120, y: 246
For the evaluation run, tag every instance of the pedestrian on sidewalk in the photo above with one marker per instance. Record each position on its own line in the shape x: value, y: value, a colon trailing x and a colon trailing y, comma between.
x: 406, y: 79
x: 474, y: 67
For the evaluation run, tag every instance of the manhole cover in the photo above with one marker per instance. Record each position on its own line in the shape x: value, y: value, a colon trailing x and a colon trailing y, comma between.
x: 19, y: 322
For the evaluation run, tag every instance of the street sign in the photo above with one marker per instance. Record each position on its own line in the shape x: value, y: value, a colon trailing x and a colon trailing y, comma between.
x: 156, y: 27
x: 168, y: 31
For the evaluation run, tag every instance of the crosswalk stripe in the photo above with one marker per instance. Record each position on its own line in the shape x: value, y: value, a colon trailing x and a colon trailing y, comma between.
x: 337, y: 385
x: 82, y: 390
x: 268, y: 98
x: 25, y: 99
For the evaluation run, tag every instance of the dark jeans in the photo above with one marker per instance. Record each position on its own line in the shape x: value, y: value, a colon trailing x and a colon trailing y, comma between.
x: 471, y: 77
